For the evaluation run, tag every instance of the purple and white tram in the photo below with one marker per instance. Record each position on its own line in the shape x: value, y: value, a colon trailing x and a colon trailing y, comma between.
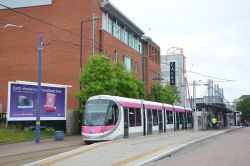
x: 112, y: 117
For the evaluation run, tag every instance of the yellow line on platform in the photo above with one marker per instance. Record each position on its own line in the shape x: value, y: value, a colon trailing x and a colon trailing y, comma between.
x: 136, y: 157
x: 159, y: 148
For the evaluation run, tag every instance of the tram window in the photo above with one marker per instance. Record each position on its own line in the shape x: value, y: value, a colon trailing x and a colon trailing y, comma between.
x: 170, y: 117
x: 131, y: 117
x: 100, y: 112
x: 189, y: 117
x: 181, y: 117
x: 155, y: 118
x: 138, y: 116
x: 113, y: 115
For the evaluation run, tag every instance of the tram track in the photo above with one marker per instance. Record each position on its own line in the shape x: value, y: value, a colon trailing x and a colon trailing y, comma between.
x: 26, y: 158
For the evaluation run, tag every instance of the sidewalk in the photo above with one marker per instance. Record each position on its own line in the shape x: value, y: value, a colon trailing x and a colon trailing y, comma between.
x: 133, y: 151
x: 10, y: 149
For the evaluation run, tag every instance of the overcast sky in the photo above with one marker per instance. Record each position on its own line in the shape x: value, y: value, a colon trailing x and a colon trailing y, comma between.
x: 214, y: 34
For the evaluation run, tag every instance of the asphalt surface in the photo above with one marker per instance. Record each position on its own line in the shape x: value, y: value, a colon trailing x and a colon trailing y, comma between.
x: 229, y: 149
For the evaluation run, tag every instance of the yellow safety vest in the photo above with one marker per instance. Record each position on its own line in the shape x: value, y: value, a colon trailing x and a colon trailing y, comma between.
x: 214, y: 120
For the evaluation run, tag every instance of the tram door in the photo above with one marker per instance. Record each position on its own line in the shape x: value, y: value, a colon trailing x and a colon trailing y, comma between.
x: 164, y: 121
x: 149, y: 121
x: 126, y: 124
x: 185, y: 119
x: 160, y: 121
x: 177, y: 121
x: 181, y: 120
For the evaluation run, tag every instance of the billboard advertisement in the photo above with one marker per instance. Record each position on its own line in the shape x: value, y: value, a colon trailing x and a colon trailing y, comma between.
x: 22, y: 101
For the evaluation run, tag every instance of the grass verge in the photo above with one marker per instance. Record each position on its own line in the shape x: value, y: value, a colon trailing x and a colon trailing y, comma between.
x: 15, y: 134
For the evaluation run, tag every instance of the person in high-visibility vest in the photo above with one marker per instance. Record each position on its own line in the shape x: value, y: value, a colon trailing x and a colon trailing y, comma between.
x: 214, y: 122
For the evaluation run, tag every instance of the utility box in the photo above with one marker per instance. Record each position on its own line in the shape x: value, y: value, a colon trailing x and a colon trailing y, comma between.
x: 59, y: 135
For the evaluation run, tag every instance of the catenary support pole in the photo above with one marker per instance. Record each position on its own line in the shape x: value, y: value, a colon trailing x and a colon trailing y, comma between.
x: 39, y: 88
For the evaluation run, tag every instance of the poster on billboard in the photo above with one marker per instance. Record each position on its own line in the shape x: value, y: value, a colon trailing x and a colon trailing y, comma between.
x: 22, y: 101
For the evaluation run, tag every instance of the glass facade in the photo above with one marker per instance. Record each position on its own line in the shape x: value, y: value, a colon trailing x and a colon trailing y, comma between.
x: 120, y: 32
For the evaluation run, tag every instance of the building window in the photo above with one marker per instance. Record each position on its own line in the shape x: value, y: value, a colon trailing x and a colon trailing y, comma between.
x: 126, y: 37
x: 114, y: 29
x: 140, y: 47
x: 127, y: 62
x: 133, y: 42
x: 116, y: 56
x: 110, y: 26
x: 122, y: 35
x: 118, y: 32
x: 136, y: 67
x: 136, y: 44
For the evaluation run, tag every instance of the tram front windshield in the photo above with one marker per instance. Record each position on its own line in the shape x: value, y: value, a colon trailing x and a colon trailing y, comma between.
x: 100, y: 112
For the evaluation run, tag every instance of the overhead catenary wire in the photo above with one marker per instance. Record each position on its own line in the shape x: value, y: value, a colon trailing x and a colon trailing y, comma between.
x: 218, y: 46
x: 204, y: 75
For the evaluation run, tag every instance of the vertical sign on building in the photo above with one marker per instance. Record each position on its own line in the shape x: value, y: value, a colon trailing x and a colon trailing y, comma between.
x: 172, y: 73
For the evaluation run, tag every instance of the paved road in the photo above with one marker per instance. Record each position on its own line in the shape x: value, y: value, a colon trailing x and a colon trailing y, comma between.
x: 229, y: 149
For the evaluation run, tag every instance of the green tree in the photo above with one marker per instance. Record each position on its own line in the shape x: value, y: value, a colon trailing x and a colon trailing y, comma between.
x: 126, y: 83
x: 103, y: 77
x: 165, y: 94
x: 141, y: 89
x: 244, y: 107
x: 97, y: 78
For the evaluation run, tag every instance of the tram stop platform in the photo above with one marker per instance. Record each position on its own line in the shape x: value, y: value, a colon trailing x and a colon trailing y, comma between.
x: 133, y: 151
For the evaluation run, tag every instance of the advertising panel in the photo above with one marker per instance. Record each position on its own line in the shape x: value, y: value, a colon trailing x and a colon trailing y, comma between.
x: 22, y: 101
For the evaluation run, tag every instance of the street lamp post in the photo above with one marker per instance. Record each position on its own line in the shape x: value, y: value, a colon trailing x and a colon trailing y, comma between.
x: 81, y: 49
x: 81, y: 39
x: 81, y: 44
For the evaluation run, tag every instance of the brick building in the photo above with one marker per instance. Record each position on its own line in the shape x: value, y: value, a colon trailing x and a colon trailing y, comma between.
x: 152, y: 62
x: 112, y: 34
